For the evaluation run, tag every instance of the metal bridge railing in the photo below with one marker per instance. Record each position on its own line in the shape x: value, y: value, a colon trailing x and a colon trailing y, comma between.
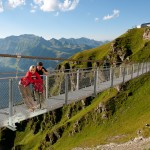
x: 59, y: 83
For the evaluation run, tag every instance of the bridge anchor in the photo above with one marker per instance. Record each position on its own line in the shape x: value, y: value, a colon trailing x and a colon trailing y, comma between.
x: 12, y: 127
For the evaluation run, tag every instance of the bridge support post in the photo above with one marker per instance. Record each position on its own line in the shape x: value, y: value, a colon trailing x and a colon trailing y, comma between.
x: 10, y: 123
x: 47, y: 87
x: 132, y: 71
x: 120, y: 71
x: 142, y: 67
x: 146, y: 67
x: 97, y: 76
x: 133, y: 68
x: 124, y: 72
x: 77, y: 85
x: 66, y: 89
x: 112, y: 76
x: 127, y: 69
x: 138, y: 69
x: 95, y: 80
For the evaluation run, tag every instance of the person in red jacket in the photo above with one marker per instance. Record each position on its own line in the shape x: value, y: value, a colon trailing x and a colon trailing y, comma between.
x: 38, y: 88
x: 31, y: 77
x: 35, y: 79
x: 37, y: 82
x: 25, y: 88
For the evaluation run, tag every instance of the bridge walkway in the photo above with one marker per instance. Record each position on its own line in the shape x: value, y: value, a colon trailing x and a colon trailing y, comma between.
x: 20, y: 112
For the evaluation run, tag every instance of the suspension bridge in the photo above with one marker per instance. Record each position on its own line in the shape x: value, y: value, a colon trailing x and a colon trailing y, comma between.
x: 63, y: 88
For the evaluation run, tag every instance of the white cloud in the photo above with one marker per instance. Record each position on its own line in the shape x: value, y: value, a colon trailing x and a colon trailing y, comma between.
x: 115, y: 14
x: 38, y: 1
x: 56, y: 5
x: 68, y: 5
x: 49, y: 5
x: 43, y: 5
x: 16, y: 3
x: 1, y: 6
x: 33, y: 8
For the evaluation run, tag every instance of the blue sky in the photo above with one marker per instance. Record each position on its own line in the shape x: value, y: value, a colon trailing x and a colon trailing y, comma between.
x: 94, y: 19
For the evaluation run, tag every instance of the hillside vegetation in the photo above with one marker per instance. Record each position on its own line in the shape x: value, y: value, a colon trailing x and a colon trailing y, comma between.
x: 134, y: 45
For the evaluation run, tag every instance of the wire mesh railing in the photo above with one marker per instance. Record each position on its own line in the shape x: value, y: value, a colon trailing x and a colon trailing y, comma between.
x: 61, y: 83
x: 76, y: 80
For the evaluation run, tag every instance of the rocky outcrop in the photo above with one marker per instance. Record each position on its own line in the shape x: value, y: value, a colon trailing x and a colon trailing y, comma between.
x: 146, y: 35
x: 120, y: 51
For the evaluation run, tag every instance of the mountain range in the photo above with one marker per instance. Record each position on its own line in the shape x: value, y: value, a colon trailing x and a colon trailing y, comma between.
x: 32, y: 45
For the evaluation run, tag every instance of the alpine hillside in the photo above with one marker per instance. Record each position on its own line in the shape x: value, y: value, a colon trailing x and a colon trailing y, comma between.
x: 134, y: 45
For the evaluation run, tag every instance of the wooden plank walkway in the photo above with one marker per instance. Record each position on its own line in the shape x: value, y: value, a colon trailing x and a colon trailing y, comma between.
x: 21, y: 113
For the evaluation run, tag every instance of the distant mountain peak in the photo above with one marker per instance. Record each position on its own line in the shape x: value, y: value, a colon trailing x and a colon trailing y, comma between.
x: 32, y: 45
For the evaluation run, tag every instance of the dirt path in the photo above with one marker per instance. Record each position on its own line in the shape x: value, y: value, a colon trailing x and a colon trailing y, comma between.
x: 139, y: 143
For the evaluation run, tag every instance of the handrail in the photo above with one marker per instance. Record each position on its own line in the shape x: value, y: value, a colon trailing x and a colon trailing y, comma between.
x: 62, y: 84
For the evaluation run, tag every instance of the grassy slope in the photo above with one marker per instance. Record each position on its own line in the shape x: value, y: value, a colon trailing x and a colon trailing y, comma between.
x: 132, y: 113
x: 97, y: 53
x: 132, y: 39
